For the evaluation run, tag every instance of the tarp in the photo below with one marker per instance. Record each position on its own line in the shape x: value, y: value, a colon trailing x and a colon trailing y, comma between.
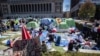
x: 43, y: 36
x: 32, y: 24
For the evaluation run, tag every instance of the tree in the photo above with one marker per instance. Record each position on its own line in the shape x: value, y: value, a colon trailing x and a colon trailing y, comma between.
x: 87, y: 10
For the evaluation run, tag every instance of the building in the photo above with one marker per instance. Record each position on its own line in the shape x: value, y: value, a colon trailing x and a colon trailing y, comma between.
x: 75, y: 5
x: 34, y: 8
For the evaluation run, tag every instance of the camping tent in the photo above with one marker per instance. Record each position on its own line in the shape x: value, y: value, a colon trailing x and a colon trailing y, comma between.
x: 46, y: 21
x: 63, y: 25
x: 67, y: 23
x: 32, y: 24
x: 70, y: 22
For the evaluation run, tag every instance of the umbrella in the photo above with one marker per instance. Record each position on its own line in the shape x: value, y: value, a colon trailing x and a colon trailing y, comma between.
x: 32, y: 24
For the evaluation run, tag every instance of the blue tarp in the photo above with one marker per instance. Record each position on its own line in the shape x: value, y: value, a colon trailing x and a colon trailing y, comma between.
x: 43, y: 36
x: 63, y: 42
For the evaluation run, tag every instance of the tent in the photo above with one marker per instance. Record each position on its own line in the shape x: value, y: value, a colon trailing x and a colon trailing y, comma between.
x: 32, y: 24
x: 63, y: 25
x: 67, y: 23
x: 70, y: 22
x: 46, y: 21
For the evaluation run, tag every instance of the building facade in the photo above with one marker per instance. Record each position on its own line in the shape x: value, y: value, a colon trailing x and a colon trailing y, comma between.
x: 76, y: 5
x: 34, y: 8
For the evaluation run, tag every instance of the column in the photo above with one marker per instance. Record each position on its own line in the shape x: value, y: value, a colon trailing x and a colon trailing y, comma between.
x: 9, y: 10
x: 52, y: 7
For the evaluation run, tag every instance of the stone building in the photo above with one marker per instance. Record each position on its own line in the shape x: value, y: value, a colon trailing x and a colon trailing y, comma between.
x: 34, y: 8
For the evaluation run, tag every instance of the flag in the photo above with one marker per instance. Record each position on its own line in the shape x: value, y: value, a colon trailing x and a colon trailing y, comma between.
x: 25, y: 34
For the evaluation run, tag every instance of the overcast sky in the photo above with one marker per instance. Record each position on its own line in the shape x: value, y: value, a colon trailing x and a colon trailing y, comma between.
x: 66, y: 5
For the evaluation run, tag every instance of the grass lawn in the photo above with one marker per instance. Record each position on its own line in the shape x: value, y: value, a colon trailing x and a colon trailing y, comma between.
x: 2, y: 46
x: 58, y: 48
x: 56, y: 53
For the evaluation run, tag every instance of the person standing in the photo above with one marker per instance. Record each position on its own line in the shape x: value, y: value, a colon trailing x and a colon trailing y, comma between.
x: 12, y: 24
x: 44, y: 47
x: 85, y: 30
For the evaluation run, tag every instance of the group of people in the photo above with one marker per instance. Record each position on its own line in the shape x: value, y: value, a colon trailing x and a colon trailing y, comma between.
x: 81, y: 40
x: 11, y: 24
x: 92, y: 33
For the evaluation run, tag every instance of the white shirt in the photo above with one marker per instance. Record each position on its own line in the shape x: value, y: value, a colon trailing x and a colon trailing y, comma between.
x: 95, y: 29
x: 33, y: 33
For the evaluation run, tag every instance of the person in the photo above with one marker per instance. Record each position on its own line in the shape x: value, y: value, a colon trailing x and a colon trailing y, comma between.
x: 71, y: 45
x: 94, y: 32
x: 98, y: 30
x: 33, y: 32
x: 3, y: 26
x: 51, y: 38
x: 85, y: 30
x: 40, y: 32
x: 57, y: 43
x: 44, y: 47
x: 12, y: 24
x: 8, y: 24
x: 16, y: 27
x: 0, y: 30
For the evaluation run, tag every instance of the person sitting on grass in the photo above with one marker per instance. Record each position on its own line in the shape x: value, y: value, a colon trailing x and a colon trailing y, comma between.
x: 44, y: 47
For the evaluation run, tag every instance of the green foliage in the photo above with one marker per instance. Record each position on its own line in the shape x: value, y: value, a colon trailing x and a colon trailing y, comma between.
x: 87, y: 10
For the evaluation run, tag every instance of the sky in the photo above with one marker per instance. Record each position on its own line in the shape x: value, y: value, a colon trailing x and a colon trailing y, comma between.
x: 66, y: 5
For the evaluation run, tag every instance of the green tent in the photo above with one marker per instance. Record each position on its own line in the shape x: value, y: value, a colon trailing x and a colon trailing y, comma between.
x: 63, y: 25
x: 32, y: 24
x: 70, y: 22
x: 16, y: 21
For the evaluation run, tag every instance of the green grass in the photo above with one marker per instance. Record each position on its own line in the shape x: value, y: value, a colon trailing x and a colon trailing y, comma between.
x: 2, y: 46
x: 56, y: 53
x: 58, y: 48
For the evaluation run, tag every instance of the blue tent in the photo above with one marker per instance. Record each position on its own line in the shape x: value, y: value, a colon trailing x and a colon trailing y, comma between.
x: 46, y: 21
